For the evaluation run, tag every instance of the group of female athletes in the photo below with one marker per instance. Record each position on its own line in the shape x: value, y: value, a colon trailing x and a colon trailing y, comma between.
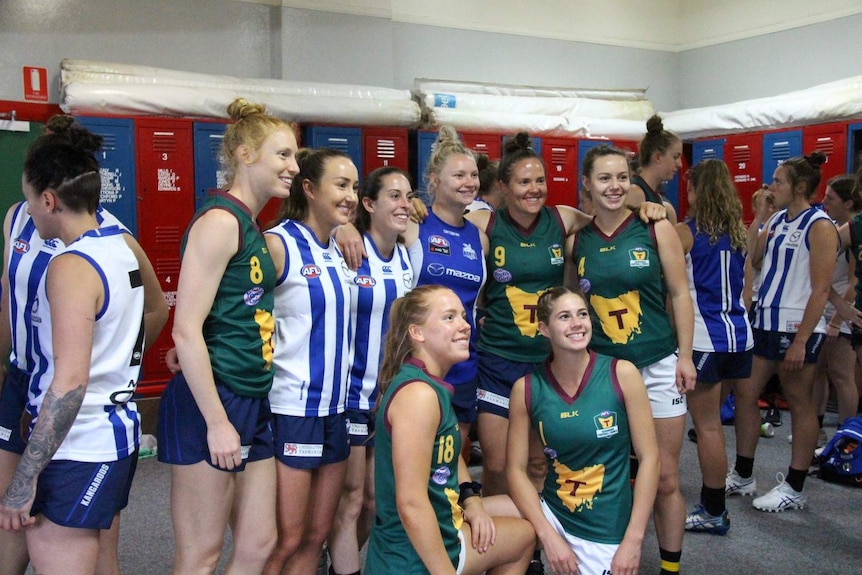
x: 330, y: 367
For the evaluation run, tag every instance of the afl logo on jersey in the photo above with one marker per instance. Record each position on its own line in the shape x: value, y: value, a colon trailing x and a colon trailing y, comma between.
x: 252, y: 296
x: 438, y: 245
x: 436, y: 269
x: 364, y: 281
x: 310, y: 271
x: 21, y: 246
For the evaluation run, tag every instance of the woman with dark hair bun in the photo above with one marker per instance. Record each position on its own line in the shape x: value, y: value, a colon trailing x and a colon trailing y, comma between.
x: 490, y: 195
x: 659, y: 159
x: 795, y: 252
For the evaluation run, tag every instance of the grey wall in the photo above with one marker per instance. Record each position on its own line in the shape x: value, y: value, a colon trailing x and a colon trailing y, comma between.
x: 210, y: 36
x: 772, y: 64
x: 260, y: 41
x: 321, y: 46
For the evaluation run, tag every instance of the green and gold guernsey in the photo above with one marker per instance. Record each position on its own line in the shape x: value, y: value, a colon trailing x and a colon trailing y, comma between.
x: 856, y: 247
x: 587, y: 442
x: 238, y: 329
x: 389, y: 549
x: 621, y: 274
x: 523, y: 263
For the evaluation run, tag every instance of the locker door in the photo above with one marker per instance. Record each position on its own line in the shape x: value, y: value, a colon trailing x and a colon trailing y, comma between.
x: 348, y: 140
x: 116, y: 167
x: 831, y: 139
x: 777, y: 147
x: 561, y: 157
x: 384, y: 147
x: 744, y: 159
x: 488, y: 144
x: 165, y: 208
x: 854, y: 147
x: 424, y: 146
x: 208, y: 137
x: 585, y: 146
x: 707, y: 149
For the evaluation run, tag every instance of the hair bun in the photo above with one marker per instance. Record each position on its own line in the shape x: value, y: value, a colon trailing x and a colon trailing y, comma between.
x: 654, y: 124
x: 242, y: 108
x: 816, y: 159
x: 482, y: 161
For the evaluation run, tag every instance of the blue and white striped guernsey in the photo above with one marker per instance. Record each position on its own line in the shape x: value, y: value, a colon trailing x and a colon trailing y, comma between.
x: 785, y: 275
x: 312, y: 326
x: 28, y: 259
x: 107, y: 427
x: 716, y: 274
x: 377, y: 284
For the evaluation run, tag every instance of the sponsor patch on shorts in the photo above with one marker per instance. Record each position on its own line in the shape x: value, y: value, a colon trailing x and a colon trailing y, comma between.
x: 357, y: 428
x: 5, y: 433
x: 492, y: 398
x: 303, y: 449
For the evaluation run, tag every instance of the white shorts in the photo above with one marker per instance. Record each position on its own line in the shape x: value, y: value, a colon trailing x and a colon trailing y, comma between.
x: 593, y: 558
x: 664, y: 398
x: 462, y: 556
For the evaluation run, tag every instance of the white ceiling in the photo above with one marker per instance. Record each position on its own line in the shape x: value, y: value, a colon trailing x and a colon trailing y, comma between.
x: 669, y: 25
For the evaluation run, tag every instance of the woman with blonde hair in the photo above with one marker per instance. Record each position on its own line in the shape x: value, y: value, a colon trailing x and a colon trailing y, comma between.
x: 714, y: 241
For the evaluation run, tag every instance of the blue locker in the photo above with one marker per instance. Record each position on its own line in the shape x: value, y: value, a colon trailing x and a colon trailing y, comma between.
x: 585, y: 146
x: 424, y: 147
x: 706, y: 150
x: 777, y: 147
x: 347, y: 140
x: 208, y: 137
x: 117, y: 167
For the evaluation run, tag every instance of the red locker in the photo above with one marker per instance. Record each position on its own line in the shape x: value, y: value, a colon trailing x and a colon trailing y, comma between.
x: 488, y: 144
x: 384, y: 147
x: 561, y: 165
x: 165, y: 179
x: 831, y: 139
x: 743, y: 154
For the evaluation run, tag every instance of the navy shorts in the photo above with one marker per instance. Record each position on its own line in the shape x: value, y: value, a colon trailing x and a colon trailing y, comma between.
x: 717, y: 366
x: 360, y: 427
x: 310, y: 442
x: 464, y: 401
x: 13, y: 400
x: 496, y: 378
x: 772, y: 345
x: 182, y: 431
x: 82, y: 494
x: 856, y: 336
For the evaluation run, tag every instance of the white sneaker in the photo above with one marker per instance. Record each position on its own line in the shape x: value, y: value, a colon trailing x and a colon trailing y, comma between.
x: 780, y: 498
x: 736, y: 485
x: 822, y: 438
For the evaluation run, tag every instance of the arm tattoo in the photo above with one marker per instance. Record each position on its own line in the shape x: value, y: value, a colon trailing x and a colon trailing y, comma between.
x: 55, y: 418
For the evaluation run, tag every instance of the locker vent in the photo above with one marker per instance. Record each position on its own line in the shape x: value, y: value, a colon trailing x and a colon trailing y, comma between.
x: 109, y: 144
x: 741, y: 153
x: 166, y: 266
x: 168, y: 235
x: 386, y: 149
x: 825, y: 145
x: 558, y: 155
x: 781, y: 151
x: 164, y: 142
x: 340, y: 144
x: 709, y: 154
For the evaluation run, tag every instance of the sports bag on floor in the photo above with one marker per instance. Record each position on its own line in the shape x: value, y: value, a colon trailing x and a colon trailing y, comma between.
x: 841, y: 459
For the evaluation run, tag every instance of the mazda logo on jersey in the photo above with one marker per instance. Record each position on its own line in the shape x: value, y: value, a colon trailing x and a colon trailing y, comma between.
x: 310, y: 271
x: 365, y: 281
x: 21, y: 246
x: 436, y: 269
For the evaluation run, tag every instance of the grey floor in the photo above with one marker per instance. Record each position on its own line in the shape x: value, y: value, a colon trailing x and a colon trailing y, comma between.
x: 825, y: 538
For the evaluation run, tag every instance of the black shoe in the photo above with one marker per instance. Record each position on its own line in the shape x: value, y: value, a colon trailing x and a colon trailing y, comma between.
x: 535, y: 568
x: 773, y: 416
x: 692, y: 435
